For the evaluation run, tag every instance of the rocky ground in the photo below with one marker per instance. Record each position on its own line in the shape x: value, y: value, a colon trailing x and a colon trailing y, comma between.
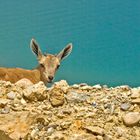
x: 63, y: 112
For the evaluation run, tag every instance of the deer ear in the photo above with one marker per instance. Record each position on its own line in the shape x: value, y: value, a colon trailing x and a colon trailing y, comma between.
x: 36, y: 49
x: 65, y: 52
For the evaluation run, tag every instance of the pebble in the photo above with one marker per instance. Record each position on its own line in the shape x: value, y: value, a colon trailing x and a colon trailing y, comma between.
x: 131, y: 118
x: 136, y: 101
x: 95, y: 130
x: 125, y: 106
x: 11, y: 95
x: 135, y: 93
x: 76, y: 97
x: 4, y: 102
x: 50, y: 131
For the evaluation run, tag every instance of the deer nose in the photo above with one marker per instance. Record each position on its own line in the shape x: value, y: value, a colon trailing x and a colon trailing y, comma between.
x: 50, y: 78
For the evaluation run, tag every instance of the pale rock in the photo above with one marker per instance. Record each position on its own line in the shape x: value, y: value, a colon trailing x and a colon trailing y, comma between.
x: 65, y: 124
x: 11, y: 95
x: 131, y: 118
x: 75, y: 86
x: 136, y: 101
x: 23, y: 102
x: 108, y: 137
x: 95, y: 130
x: 86, y: 87
x: 50, y: 131
x: 125, y: 106
x: 4, y: 102
x: 82, y: 136
x: 97, y: 87
x: 76, y: 97
x: 34, y: 133
x: 99, y: 137
x: 24, y: 83
x: 61, y: 84
x: 36, y: 92
x: 135, y: 93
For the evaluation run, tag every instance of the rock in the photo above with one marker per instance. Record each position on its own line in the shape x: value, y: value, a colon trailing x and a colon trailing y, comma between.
x: 120, y: 131
x: 34, y: 133
x: 136, y: 101
x: 62, y: 84
x: 125, y: 106
x: 95, y: 130
x: 75, y: 86
x: 99, y: 137
x: 131, y: 119
x: 50, y: 131
x: 11, y: 95
x: 5, y: 110
x: 57, y: 136
x: 82, y: 136
x: 24, y: 83
x: 37, y: 92
x: 4, y: 102
x: 56, y: 97
x: 76, y: 97
x: 16, y: 124
x: 97, y: 86
x: 135, y: 93
x: 86, y: 87
x: 65, y: 125
x: 108, y: 137
x: 23, y: 102
x: 4, y: 136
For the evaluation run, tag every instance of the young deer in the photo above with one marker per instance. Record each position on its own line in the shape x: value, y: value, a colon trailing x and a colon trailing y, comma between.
x: 45, y: 71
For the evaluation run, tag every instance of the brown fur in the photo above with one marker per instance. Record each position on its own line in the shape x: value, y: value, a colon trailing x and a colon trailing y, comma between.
x: 15, y: 74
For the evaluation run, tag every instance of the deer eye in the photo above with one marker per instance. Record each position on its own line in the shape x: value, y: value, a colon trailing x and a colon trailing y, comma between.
x: 42, y: 65
x: 58, y: 66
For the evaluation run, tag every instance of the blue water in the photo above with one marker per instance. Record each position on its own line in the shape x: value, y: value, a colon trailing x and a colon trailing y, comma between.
x: 105, y: 36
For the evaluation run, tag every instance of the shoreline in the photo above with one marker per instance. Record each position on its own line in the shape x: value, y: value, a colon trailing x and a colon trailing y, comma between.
x: 64, y: 112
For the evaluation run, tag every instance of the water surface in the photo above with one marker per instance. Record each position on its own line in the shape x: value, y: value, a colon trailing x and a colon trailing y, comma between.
x: 105, y: 37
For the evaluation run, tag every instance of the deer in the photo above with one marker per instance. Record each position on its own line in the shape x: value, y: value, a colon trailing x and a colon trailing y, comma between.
x: 48, y: 64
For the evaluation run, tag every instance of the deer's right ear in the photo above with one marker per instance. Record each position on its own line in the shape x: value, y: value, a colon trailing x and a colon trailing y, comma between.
x: 35, y: 49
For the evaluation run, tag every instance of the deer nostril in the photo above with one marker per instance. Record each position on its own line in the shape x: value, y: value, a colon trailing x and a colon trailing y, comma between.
x: 50, y: 78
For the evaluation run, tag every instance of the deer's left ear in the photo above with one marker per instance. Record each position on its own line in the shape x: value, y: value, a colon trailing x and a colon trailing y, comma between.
x: 65, y: 52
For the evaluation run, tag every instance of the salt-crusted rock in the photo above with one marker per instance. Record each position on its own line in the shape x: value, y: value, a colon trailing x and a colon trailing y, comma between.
x: 16, y: 124
x: 82, y: 136
x: 97, y: 87
x: 11, y: 95
x: 62, y: 84
x: 76, y: 97
x: 56, y: 96
x: 135, y: 93
x: 4, y: 102
x: 36, y: 92
x: 95, y: 130
x: 136, y: 101
x: 24, y: 83
x: 125, y: 106
x: 131, y: 119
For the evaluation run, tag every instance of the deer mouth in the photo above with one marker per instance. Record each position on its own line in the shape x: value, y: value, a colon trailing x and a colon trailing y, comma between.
x: 50, y: 81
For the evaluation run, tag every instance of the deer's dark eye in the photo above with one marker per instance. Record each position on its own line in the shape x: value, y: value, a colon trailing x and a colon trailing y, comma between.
x: 42, y: 65
x: 58, y: 66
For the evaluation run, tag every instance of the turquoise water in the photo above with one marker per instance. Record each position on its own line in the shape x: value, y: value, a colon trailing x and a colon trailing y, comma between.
x: 105, y: 36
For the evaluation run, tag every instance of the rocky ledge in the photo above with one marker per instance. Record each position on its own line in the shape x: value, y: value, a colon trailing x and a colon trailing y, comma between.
x: 63, y: 112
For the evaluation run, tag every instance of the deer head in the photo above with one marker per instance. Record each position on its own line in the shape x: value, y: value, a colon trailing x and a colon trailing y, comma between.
x: 48, y: 63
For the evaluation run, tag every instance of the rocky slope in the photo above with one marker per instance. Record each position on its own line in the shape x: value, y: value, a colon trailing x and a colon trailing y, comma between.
x: 63, y: 112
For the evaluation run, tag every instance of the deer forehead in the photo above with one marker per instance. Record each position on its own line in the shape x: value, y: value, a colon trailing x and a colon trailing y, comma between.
x: 51, y: 60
